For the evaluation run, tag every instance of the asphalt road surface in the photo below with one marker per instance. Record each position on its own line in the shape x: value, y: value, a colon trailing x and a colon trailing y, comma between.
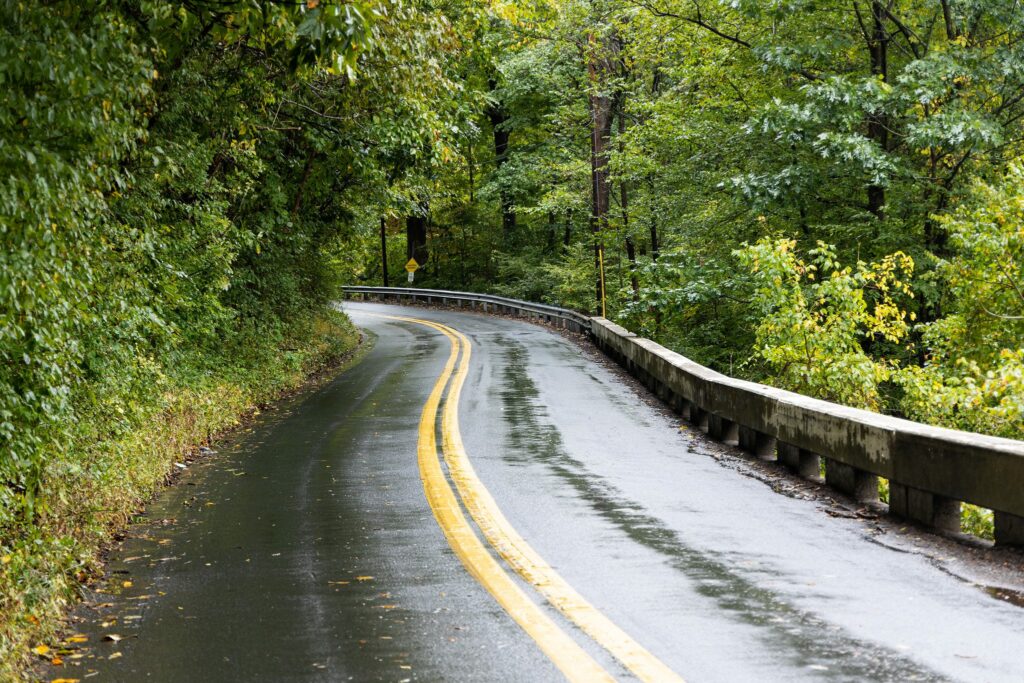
x: 479, y: 499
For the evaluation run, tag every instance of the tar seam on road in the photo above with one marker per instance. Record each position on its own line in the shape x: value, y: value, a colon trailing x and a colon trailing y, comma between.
x: 509, y: 545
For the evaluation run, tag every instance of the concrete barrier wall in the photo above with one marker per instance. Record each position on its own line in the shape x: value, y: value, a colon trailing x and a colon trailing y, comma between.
x: 930, y: 469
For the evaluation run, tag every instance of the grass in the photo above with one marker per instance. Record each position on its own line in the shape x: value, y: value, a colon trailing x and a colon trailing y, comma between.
x: 120, y: 458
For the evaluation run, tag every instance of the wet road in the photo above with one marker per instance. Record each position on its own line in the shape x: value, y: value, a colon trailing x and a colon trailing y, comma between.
x: 569, y: 529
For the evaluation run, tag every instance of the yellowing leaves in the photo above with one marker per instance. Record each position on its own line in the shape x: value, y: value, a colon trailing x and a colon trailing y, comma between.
x: 811, y: 332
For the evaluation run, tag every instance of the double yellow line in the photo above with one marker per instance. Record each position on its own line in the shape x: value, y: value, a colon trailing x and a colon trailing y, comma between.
x: 564, y: 652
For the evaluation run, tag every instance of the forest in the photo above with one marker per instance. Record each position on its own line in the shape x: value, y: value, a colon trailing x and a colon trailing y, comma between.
x: 822, y: 195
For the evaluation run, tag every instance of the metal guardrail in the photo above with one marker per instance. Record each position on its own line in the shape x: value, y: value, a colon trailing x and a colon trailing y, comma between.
x: 572, y: 320
x: 931, y: 470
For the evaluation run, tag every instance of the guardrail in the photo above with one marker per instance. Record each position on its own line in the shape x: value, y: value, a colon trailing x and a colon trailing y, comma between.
x: 931, y: 470
x: 571, y: 320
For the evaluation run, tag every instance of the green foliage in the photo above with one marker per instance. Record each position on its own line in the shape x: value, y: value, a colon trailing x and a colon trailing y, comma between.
x: 974, y: 375
x: 817, y: 317
x: 74, y: 80
x: 118, y: 455
x: 737, y: 121
x: 966, y: 395
x: 185, y: 185
x: 180, y: 185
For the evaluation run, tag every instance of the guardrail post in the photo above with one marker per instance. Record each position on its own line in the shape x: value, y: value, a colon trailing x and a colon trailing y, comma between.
x: 860, y: 485
x: 803, y: 462
x: 699, y: 417
x: 1009, y: 529
x: 722, y: 429
x: 663, y: 391
x: 682, y: 406
x: 677, y: 403
x: 921, y: 506
x: 756, y: 443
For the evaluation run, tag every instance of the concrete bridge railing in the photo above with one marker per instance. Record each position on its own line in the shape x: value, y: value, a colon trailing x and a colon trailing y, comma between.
x: 931, y: 470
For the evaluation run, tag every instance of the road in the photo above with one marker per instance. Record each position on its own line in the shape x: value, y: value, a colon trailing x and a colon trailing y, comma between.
x: 479, y: 499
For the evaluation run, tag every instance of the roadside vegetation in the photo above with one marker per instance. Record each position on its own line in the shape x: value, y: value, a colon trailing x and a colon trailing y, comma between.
x: 825, y: 196
x: 177, y: 197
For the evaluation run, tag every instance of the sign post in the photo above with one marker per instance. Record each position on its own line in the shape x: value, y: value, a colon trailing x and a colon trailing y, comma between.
x: 411, y: 267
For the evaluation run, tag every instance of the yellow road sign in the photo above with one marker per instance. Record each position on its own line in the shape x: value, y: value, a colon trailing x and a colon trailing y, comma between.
x: 412, y: 266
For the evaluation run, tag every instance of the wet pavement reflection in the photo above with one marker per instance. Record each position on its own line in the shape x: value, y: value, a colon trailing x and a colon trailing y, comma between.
x: 304, y: 550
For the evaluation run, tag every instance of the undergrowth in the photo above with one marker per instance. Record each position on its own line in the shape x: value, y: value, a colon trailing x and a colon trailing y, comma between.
x: 119, y: 458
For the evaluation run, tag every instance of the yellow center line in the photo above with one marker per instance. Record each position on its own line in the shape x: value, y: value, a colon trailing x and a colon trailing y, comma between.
x: 521, y: 556
x: 561, y: 649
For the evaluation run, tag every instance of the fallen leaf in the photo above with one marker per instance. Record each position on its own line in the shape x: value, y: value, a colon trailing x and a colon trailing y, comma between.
x: 65, y: 680
x: 126, y: 584
x: 113, y: 637
x: 364, y: 578
x: 78, y: 639
x: 41, y: 650
x: 56, y: 661
x: 114, y: 655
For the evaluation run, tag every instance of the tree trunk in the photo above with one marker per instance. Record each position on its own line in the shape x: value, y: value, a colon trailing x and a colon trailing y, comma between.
x: 471, y: 164
x: 952, y: 32
x: 655, y: 246
x: 624, y: 207
x: 878, y: 123
x: 498, y: 116
x: 600, y: 69
x: 384, y: 249
x: 552, y: 232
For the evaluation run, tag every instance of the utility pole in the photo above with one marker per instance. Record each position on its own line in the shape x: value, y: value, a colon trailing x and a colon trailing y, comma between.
x: 384, y: 249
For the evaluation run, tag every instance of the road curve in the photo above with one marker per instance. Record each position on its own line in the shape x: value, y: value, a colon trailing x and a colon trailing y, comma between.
x: 597, y: 539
